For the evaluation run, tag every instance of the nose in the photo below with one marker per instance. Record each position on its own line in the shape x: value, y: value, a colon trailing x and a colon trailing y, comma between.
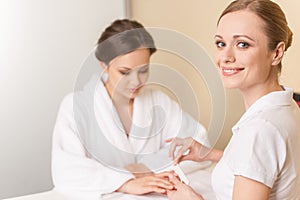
x: 135, y: 79
x: 227, y: 55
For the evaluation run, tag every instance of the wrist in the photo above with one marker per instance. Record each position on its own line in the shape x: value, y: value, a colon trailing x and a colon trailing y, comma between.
x: 210, y: 154
x: 215, y: 155
x: 124, y: 187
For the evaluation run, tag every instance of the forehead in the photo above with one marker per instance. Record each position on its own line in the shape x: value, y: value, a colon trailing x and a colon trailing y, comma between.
x: 133, y: 59
x: 241, y: 23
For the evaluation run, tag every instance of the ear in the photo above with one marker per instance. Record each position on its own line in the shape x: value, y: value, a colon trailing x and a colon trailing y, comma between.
x: 278, y: 53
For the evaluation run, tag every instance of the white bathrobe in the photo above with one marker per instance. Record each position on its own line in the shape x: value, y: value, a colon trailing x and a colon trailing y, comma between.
x: 90, y: 147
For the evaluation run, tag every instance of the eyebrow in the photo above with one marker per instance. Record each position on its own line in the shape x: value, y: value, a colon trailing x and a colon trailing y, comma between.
x: 237, y: 36
x: 127, y: 68
x: 124, y: 68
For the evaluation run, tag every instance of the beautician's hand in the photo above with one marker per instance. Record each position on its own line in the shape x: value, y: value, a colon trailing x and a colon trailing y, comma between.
x: 158, y: 183
x: 192, y: 150
x: 182, y: 191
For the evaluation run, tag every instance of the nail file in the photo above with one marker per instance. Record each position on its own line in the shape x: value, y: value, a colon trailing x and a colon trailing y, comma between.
x: 181, y: 175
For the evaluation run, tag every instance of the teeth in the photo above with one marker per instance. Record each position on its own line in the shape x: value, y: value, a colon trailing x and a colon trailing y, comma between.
x: 229, y: 70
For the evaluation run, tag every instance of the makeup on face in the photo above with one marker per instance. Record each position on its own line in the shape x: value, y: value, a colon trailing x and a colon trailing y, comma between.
x: 128, y: 73
x: 242, y: 53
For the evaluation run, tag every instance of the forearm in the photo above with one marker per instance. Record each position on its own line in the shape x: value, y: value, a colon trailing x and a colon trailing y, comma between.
x: 139, y: 169
x: 212, y: 154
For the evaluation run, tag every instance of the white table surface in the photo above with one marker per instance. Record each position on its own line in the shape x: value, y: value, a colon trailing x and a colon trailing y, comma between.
x: 199, y: 180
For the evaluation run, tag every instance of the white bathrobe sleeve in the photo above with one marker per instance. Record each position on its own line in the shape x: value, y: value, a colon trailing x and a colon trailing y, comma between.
x: 73, y: 171
x: 177, y: 124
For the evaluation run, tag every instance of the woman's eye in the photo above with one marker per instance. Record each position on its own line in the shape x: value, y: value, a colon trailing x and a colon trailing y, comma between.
x: 145, y: 70
x: 125, y: 73
x: 243, y: 45
x: 220, y: 44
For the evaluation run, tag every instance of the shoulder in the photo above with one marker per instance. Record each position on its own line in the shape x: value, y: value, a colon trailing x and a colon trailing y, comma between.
x: 67, y: 102
x: 257, y: 141
x: 275, y: 124
x: 260, y: 132
x: 72, y: 101
x: 256, y: 136
x: 65, y: 110
x: 67, y: 99
x: 257, y: 151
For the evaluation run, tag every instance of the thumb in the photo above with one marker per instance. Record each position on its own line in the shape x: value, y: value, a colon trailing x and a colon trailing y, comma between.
x: 183, y: 154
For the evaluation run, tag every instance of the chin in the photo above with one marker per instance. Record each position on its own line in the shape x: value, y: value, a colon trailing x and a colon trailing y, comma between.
x: 230, y: 85
x: 132, y: 95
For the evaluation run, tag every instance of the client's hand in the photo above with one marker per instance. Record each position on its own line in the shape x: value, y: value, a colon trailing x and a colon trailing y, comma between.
x: 158, y: 183
x: 182, y: 191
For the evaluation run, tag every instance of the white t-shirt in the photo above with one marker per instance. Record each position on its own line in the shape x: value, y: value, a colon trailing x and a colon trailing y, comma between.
x: 265, y: 147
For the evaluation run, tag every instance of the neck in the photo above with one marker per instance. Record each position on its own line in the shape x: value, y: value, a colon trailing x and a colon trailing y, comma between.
x: 253, y: 92
x: 251, y: 95
x: 123, y: 103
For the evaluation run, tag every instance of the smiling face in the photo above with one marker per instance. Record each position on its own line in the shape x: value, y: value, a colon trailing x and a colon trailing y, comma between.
x: 242, y: 53
x: 127, y: 74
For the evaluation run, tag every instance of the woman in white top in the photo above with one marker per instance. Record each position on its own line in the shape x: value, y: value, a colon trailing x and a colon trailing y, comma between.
x: 110, y: 135
x: 261, y: 160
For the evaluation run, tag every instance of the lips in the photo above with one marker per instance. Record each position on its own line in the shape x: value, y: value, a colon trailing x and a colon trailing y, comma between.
x: 230, y: 71
x: 133, y: 90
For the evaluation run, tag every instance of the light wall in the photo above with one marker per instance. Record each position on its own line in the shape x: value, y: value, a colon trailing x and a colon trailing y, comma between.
x: 42, y: 45
x: 197, y: 19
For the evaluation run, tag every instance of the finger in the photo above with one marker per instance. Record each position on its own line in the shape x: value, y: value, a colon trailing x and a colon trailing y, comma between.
x: 181, y: 154
x: 162, y: 183
x: 175, y: 180
x: 156, y: 189
x: 164, y: 174
x: 175, y: 142
x: 184, y: 157
x: 169, y: 140
x: 150, y: 188
x: 163, y: 186
x: 172, y: 150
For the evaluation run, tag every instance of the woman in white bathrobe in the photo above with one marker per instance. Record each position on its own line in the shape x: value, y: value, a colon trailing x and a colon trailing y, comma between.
x: 111, y: 135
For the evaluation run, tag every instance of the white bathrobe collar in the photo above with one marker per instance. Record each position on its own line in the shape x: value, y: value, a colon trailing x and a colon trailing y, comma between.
x: 101, y: 130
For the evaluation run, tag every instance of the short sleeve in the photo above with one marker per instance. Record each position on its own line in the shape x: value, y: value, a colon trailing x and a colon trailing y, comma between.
x: 257, y: 151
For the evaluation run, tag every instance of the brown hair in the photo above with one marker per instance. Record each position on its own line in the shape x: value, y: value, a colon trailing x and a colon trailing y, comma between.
x: 122, y: 37
x: 276, y: 26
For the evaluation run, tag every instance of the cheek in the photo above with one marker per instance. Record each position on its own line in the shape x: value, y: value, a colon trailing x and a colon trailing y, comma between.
x: 121, y: 81
x: 116, y: 81
x: 217, y: 58
x: 116, y: 78
x: 251, y: 57
x: 144, y: 77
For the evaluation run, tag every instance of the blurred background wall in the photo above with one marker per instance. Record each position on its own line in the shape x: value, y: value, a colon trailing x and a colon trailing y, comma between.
x: 42, y: 45
x: 197, y: 19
